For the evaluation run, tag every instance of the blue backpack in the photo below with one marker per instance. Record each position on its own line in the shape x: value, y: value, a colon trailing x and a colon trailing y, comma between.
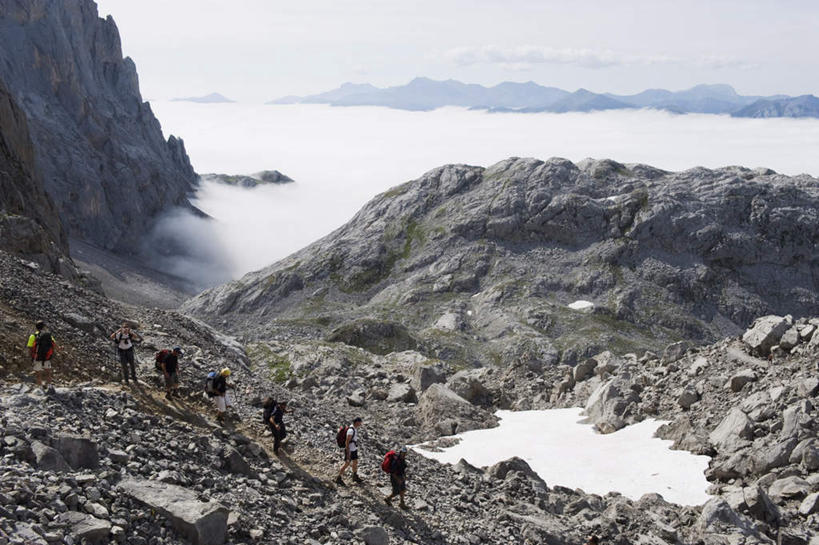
x: 209, y: 384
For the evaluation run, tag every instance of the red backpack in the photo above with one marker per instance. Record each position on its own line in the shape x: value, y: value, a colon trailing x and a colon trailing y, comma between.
x: 160, y: 357
x: 386, y: 465
x: 341, y: 437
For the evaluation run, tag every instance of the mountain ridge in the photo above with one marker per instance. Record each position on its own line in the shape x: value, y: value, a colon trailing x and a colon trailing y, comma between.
x: 423, y: 94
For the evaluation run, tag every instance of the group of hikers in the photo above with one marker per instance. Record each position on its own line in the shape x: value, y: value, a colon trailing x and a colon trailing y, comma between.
x: 42, y: 346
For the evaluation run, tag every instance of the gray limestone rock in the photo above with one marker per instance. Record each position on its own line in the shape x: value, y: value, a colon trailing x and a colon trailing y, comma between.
x: 789, y: 488
x: 765, y: 333
x: 470, y: 385
x: 100, y: 149
x: 740, y: 379
x: 809, y: 505
x: 203, y: 523
x: 374, y: 535
x: 79, y: 452
x: 584, y: 369
x: 48, y: 458
x: 425, y: 375
x: 732, y: 431
x: 401, y: 393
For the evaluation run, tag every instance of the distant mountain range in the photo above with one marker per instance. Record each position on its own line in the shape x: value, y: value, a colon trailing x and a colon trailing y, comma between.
x: 427, y: 94
x: 213, y: 98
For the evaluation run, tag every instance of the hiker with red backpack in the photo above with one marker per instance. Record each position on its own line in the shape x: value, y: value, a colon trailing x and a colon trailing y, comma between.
x: 41, y: 346
x: 125, y: 338
x: 395, y: 463
x: 347, y: 438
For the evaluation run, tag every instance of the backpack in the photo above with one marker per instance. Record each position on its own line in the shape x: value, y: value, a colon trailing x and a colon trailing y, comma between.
x: 209, y: 384
x: 267, y: 413
x: 160, y: 358
x: 386, y: 465
x: 341, y: 436
x: 43, y: 346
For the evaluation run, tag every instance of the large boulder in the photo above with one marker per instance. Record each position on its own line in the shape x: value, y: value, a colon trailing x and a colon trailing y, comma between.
x: 401, y: 392
x: 607, y: 406
x: 439, y: 403
x: 765, y: 333
x: 202, y: 523
x: 470, y: 385
x: 738, y: 381
x: 79, y: 452
x: 47, y: 458
x: 425, y: 375
x: 234, y: 462
x: 789, y: 488
x: 809, y: 505
x: 732, y: 432
x: 375, y: 336
x: 85, y: 527
x: 584, y: 369
x: 754, y: 501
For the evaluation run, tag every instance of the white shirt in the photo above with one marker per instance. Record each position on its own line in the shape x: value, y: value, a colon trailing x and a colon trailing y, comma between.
x: 124, y: 341
x: 352, y: 435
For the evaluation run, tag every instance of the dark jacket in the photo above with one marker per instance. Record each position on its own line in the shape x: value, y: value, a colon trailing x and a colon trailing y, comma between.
x: 220, y: 384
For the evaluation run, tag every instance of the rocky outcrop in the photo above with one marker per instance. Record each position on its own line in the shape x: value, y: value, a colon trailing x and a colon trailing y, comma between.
x: 484, y: 265
x: 103, y: 159
x: 30, y: 225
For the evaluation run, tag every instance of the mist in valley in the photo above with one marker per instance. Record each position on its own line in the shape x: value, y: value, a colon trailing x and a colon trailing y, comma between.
x: 342, y: 157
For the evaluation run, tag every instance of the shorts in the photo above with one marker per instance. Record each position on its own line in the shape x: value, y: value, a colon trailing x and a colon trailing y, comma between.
x: 171, y: 379
x: 353, y: 455
x: 222, y: 402
x: 42, y: 365
x: 398, y: 485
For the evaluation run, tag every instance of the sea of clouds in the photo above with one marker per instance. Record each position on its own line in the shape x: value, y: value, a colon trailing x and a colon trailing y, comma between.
x: 342, y: 157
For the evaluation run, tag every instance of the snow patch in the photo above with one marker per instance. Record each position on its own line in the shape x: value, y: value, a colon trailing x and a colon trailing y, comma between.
x: 563, y: 451
x: 581, y: 305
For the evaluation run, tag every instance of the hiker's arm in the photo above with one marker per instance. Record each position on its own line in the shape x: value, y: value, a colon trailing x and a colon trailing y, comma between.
x: 114, y: 334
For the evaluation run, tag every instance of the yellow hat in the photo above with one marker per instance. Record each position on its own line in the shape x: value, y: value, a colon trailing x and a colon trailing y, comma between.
x: 226, y: 372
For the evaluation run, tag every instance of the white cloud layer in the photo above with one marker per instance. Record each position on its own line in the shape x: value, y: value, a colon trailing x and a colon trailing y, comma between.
x: 342, y: 157
x: 523, y: 57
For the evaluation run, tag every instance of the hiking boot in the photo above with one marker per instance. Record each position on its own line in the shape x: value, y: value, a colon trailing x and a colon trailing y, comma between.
x: 340, y: 481
x: 356, y: 479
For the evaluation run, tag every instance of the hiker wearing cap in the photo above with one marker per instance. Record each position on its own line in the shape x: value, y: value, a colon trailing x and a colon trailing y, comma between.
x: 170, y: 370
x: 395, y: 463
x: 41, y: 346
x: 125, y: 339
x: 274, y: 419
x: 350, y: 452
x: 221, y: 398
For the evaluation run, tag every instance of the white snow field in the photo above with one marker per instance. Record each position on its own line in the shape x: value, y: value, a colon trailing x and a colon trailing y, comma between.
x: 563, y: 451
x: 581, y: 305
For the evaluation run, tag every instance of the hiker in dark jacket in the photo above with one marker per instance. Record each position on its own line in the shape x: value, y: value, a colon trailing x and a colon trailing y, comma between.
x: 221, y: 397
x: 274, y: 418
x: 170, y: 370
x: 398, y: 477
x: 125, y: 338
x: 41, y: 346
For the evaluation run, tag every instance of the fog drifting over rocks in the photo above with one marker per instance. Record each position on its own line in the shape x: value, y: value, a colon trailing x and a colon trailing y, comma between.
x: 342, y: 157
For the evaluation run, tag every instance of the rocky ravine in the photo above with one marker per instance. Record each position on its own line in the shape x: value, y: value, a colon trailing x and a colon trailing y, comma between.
x: 98, y: 146
x: 477, y: 266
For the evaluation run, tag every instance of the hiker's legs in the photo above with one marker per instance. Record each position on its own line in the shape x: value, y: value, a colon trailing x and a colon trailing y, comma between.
x: 277, y: 440
x: 48, y: 376
x: 343, y: 468
x: 132, y: 363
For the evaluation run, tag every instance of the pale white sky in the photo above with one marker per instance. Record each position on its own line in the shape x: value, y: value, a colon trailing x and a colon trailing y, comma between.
x: 257, y: 50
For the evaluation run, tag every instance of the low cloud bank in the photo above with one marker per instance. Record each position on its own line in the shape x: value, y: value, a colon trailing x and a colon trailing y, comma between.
x: 342, y: 157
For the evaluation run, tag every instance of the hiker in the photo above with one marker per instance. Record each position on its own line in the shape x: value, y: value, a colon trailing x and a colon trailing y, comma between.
x: 274, y: 419
x: 350, y: 452
x: 125, y: 339
x: 170, y: 370
x: 396, y: 465
x: 221, y: 397
x: 41, y: 346
x: 593, y: 540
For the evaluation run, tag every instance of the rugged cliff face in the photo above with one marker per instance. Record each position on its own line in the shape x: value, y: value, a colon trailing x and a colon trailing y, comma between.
x: 99, y: 147
x: 29, y: 223
x: 482, y: 266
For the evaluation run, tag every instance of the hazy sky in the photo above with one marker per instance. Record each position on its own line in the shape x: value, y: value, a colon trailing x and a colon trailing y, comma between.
x: 256, y: 50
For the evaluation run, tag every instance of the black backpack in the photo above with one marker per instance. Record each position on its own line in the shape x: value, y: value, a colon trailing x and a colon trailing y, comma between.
x: 44, y: 346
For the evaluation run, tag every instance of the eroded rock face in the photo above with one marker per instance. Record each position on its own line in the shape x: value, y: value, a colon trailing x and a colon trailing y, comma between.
x: 100, y: 150
x: 29, y: 222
